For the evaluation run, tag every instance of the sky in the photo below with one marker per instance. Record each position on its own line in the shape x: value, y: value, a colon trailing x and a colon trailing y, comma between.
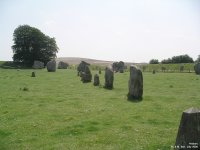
x: 117, y: 30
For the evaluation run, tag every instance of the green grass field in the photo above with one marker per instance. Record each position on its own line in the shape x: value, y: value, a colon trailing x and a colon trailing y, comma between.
x: 58, y: 111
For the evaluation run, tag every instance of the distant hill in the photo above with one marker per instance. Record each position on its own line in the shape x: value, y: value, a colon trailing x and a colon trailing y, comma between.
x: 69, y: 60
x: 77, y: 60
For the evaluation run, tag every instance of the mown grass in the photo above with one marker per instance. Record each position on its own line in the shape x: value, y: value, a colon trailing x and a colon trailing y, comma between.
x: 58, y: 111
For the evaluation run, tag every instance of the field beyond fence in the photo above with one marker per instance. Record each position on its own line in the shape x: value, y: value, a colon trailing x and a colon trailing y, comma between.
x: 187, y: 67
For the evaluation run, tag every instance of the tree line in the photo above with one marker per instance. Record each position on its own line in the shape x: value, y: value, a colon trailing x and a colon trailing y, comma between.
x: 175, y: 60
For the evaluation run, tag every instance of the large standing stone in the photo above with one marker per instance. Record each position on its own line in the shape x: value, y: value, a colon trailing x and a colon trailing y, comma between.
x: 96, y: 80
x: 51, y: 66
x: 81, y: 67
x: 38, y: 64
x: 135, y: 84
x: 189, y: 130
x: 62, y: 65
x: 86, y: 75
x: 197, y: 68
x: 109, y: 78
x: 118, y: 66
x: 121, y: 70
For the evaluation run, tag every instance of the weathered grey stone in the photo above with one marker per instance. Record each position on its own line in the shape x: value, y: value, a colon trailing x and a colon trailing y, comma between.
x: 81, y: 67
x: 197, y: 68
x: 33, y: 74
x: 189, y: 130
x: 135, y: 84
x: 118, y: 67
x: 62, y: 65
x: 38, y: 64
x: 86, y: 76
x: 51, y: 66
x: 96, y: 80
x: 121, y: 70
x: 109, y: 78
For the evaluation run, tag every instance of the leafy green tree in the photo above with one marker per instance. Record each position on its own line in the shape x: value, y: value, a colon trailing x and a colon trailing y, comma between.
x: 154, y: 61
x: 182, y: 59
x: 166, y: 61
x: 178, y: 59
x: 31, y: 44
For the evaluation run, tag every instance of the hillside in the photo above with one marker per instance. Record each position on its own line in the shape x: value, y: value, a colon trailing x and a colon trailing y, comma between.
x: 77, y: 60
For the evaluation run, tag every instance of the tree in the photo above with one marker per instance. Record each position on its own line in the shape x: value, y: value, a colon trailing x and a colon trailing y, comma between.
x: 166, y: 61
x: 178, y: 59
x: 31, y: 44
x: 154, y: 61
x: 182, y: 59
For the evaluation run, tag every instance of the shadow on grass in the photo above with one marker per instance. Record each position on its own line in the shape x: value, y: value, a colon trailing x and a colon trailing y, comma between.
x: 13, y: 65
x: 134, y: 99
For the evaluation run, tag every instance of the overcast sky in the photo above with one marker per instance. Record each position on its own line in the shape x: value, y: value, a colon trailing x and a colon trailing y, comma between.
x: 127, y: 30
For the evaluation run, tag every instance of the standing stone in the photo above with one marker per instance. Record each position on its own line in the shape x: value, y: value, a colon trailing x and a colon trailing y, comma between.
x: 154, y: 71
x: 62, y: 65
x: 189, y: 130
x: 51, y: 66
x: 96, y: 80
x: 109, y: 78
x: 121, y: 66
x: 86, y: 76
x: 135, y: 84
x: 81, y: 67
x: 197, y: 68
x: 38, y: 64
x: 121, y: 70
x: 118, y: 66
x: 33, y: 74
